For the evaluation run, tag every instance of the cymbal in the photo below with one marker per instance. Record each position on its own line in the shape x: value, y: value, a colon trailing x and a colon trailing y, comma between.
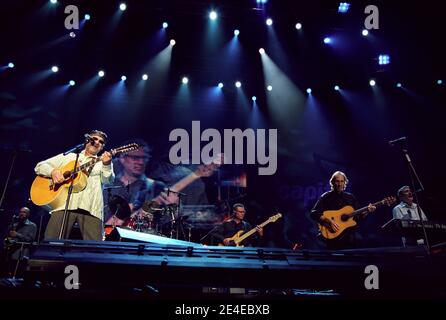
x: 119, y: 207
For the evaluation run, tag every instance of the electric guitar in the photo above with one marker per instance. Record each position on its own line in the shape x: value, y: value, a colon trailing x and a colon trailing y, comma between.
x: 239, y: 237
x: 153, y: 205
x: 344, y: 218
x: 44, y: 192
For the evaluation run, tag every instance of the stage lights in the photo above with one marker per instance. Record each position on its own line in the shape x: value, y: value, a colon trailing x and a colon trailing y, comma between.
x: 72, y: 83
x: 185, y: 80
x: 269, y: 88
x: 165, y: 25
x: 309, y: 90
x: 87, y: 17
x: 236, y: 32
x: 383, y: 59
x: 372, y: 83
x: 123, y: 78
x: 213, y: 15
x: 101, y: 73
x: 336, y: 88
x: 145, y: 76
x: 269, y: 22
x: 365, y: 32
x: 10, y: 65
x: 220, y: 85
x: 298, y: 26
x: 238, y: 84
x: 172, y: 42
x: 343, y: 7
x: 122, y: 6
x: 54, y: 69
x: 327, y: 40
x: 261, y: 51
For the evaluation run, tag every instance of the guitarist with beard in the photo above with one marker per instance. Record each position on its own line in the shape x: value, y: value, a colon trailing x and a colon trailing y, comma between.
x: 86, y: 206
x: 230, y: 227
x: 335, y: 199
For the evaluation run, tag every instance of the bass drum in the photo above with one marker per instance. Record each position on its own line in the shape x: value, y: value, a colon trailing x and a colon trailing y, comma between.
x: 141, y: 224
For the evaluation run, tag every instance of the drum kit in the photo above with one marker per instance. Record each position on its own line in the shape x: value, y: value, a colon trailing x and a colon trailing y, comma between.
x: 151, y: 218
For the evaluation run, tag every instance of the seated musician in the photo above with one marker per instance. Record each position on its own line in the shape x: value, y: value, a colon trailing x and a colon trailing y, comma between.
x: 20, y: 230
x: 336, y: 199
x: 407, y: 209
x: 236, y: 223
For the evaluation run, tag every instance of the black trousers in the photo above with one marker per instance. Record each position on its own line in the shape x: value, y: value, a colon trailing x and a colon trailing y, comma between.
x: 90, y: 226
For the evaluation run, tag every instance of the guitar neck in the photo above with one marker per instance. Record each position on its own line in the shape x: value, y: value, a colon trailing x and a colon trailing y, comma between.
x: 252, y: 231
x: 364, y: 209
x: 183, y: 183
x: 86, y: 165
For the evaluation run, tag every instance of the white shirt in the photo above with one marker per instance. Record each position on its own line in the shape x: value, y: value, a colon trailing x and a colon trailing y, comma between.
x: 406, y: 212
x: 89, y: 199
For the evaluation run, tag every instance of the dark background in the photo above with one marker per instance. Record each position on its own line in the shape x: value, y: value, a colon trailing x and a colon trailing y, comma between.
x: 331, y: 131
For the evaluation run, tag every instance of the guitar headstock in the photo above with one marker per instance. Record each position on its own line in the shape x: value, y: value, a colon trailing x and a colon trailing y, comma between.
x: 125, y: 149
x: 275, y: 217
x: 206, y: 170
x: 389, y: 200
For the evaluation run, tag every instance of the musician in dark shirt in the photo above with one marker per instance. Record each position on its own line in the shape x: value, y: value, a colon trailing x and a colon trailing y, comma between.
x: 230, y: 227
x: 336, y: 199
x: 20, y: 230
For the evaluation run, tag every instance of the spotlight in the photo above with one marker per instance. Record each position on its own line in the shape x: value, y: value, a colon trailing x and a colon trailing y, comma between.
x: 185, y: 80
x: 398, y: 85
x: 439, y: 82
x: 72, y: 83
x: 122, y: 6
x: 309, y: 90
x: 269, y: 21
x: 383, y: 59
x: 236, y: 32
x: 238, y: 84
x: 254, y: 98
x: 10, y: 65
x: 298, y: 26
x: 327, y: 40
x: 365, y: 32
x: 172, y: 42
x: 101, y: 73
x: 87, y: 17
x: 261, y: 51
x: 343, y: 7
x: 213, y: 15
x: 269, y: 88
x: 372, y: 83
x: 145, y: 76
x: 54, y: 69
x: 72, y: 34
x: 165, y: 25
x: 220, y: 85
x: 336, y: 88
x: 53, y: 1
x: 123, y: 78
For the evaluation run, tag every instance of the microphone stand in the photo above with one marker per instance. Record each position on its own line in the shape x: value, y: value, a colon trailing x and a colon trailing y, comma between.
x: 14, y: 156
x: 413, y: 174
x: 77, y: 150
x: 176, y: 216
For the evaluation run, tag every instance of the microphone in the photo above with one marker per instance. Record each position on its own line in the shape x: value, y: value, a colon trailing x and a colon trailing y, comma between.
x: 397, y: 141
x: 88, y: 139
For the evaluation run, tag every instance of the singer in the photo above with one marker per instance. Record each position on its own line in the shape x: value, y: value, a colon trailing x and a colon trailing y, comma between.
x: 86, y: 206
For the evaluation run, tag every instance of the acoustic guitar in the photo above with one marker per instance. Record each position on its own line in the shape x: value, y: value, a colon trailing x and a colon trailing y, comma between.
x: 44, y: 192
x: 239, y: 237
x: 344, y: 218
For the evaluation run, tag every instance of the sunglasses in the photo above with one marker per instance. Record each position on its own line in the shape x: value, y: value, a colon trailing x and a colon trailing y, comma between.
x: 98, y: 140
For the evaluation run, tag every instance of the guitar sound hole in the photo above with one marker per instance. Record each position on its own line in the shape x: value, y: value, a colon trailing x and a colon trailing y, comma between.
x: 344, y: 217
